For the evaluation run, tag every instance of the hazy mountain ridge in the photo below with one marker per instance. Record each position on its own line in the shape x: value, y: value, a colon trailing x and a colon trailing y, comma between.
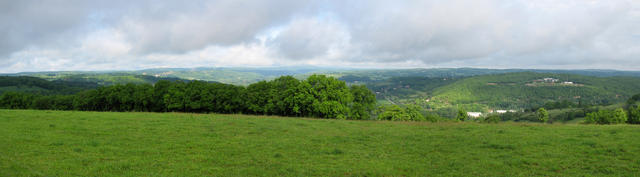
x: 246, y: 75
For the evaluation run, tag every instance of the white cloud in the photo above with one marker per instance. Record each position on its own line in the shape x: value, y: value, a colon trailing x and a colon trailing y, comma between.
x: 107, y: 35
x: 312, y: 38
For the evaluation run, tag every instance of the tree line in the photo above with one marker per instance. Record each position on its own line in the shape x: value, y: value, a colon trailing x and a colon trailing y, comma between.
x: 317, y: 96
x: 629, y: 114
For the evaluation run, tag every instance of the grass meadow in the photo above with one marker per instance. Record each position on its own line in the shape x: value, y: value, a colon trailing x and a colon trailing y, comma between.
x: 67, y: 143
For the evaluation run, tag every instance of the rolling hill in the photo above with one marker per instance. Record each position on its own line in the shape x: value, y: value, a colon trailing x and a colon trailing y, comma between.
x: 522, y: 90
x: 62, y: 83
x: 502, y: 91
x: 41, y: 86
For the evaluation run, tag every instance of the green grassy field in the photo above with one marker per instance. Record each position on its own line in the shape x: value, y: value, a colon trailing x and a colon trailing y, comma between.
x: 58, y: 143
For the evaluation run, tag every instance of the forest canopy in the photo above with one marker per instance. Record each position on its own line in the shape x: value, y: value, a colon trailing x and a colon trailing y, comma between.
x: 317, y: 96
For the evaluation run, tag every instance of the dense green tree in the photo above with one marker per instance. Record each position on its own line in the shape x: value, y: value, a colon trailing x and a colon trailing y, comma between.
x: 16, y: 100
x: 142, y: 97
x: 63, y: 102
x: 619, y: 116
x: 633, y: 109
x: 543, y: 115
x: 42, y: 102
x: 634, y: 115
x: 331, y: 97
x: 193, y: 96
x: 607, y: 117
x: 259, y: 99
x: 160, y: 89
x: 462, y: 115
x: 363, y: 102
x: 175, y: 97
x: 303, y: 100
x: 593, y: 118
x: 394, y: 113
x: 397, y: 113
x: 414, y: 113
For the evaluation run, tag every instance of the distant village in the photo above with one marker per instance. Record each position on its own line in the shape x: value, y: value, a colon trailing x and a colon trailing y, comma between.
x: 551, y: 82
x: 479, y: 114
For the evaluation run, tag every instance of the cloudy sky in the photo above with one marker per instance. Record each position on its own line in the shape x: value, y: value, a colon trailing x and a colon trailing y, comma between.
x: 51, y: 35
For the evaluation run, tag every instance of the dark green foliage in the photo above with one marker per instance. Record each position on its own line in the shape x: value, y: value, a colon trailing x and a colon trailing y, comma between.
x: 318, y: 96
x: 616, y: 116
x: 493, y: 118
x: 414, y: 113
x: 634, y: 109
x: 15, y: 100
x: 35, y: 85
x: 634, y: 115
x: 259, y: 100
x: 560, y: 105
x: 363, y: 102
x: 392, y: 112
x: 513, y: 116
x: 432, y: 117
x: 462, y: 115
x: 198, y: 96
x: 567, y: 115
x: 331, y: 97
x: 282, y: 92
x: 635, y: 98
x: 619, y: 116
x: 396, y: 113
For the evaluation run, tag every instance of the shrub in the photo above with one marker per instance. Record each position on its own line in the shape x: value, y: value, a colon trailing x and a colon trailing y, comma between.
x: 543, y: 115
x: 607, y: 117
x: 396, y: 113
x: 462, y: 115
x: 634, y: 115
x: 492, y: 119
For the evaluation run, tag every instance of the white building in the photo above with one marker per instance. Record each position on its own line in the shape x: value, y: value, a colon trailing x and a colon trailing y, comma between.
x: 548, y: 79
x: 501, y: 111
x: 474, y: 114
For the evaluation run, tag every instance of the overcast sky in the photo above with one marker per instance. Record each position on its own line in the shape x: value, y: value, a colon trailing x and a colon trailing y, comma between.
x: 123, y: 35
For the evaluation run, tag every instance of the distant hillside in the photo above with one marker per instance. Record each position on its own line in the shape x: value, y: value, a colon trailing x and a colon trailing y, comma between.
x: 383, y: 74
x: 529, y: 89
x: 69, y: 83
x: 519, y: 91
x: 236, y: 76
x: 100, y: 78
x: 41, y: 86
x: 116, y: 78
x: 246, y: 76
x: 218, y: 75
